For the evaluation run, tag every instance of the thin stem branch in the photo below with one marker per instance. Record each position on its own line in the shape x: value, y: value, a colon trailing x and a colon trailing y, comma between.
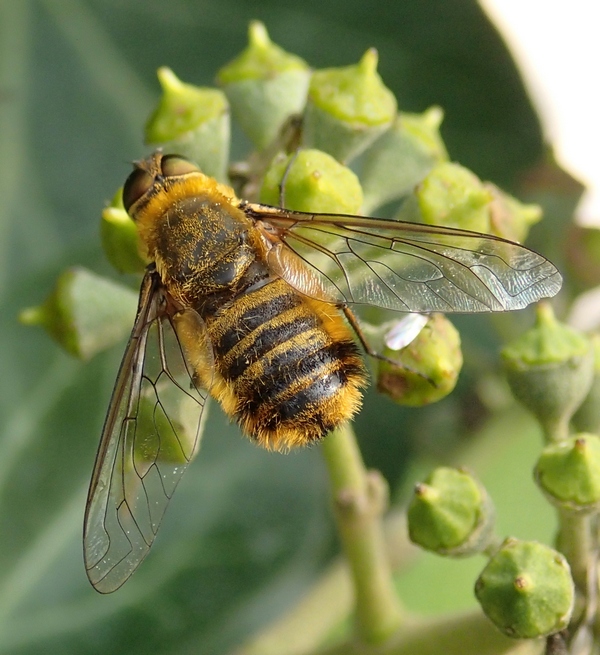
x: 577, y: 541
x: 360, y: 498
x: 556, y: 429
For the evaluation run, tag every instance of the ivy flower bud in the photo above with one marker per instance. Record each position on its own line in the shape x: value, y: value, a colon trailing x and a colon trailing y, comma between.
x: 453, y: 196
x: 85, y: 313
x: 526, y: 590
x: 191, y: 121
x: 401, y: 157
x: 451, y: 514
x: 550, y: 369
x: 510, y: 218
x: 120, y: 239
x: 568, y: 472
x: 347, y: 108
x: 315, y: 182
x: 265, y: 86
x: 427, y: 368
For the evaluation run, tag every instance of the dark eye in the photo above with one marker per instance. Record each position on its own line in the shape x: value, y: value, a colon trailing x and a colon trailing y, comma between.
x: 136, y: 186
x: 177, y: 165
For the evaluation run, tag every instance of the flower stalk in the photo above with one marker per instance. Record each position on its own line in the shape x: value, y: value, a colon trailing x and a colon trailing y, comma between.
x: 360, y: 498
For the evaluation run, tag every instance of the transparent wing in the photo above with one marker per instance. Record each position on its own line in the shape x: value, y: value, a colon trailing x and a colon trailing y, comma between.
x: 402, y: 266
x: 150, y: 436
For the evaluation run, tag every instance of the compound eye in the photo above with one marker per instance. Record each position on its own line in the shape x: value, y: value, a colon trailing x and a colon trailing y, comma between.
x: 136, y: 186
x: 172, y: 165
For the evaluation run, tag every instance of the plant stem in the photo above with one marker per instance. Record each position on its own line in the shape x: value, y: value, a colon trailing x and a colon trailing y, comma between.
x: 575, y: 542
x: 360, y: 498
x: 556, y: 429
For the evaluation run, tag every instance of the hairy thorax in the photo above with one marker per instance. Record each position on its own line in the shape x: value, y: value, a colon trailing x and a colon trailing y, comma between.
x: 204, y: 250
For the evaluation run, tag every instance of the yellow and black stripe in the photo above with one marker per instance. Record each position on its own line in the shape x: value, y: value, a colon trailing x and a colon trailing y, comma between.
x: 286, y: 366
x: 283, y: 364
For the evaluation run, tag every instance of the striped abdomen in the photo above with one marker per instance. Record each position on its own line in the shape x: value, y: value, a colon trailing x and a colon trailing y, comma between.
x: 286, y: 366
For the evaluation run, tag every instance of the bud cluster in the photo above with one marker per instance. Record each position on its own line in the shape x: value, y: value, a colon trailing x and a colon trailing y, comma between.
x: 307, y: 126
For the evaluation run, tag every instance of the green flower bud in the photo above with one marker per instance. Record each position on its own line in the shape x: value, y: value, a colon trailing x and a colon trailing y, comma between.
x: 452, y: 196
x: 315, y: 182
x: 120, y: 239
x: 587, y: 417
x: 191, y: 121
x: 85, y: 313
x: 550, y: 369
x: 451, y: 514
x: 568, y: 472
x: 510, y: 219
x: 526, y: 590
x: 265, y: 85
x: 347, y: 108
x: 428, y: 367
x: 402, y: 157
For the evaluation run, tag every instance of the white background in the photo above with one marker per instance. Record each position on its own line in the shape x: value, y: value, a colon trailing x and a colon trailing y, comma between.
x: 556, y: 44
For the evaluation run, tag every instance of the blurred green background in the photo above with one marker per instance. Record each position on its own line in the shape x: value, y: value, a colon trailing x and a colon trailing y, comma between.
x: 249, y: 530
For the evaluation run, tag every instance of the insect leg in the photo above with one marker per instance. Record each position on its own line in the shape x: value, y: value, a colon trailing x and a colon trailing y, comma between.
x: 355, y: 325
x: 284, y: 178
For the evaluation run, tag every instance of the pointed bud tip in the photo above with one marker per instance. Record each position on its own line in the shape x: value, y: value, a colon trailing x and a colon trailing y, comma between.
x: 368, y: 63
x: 258, y: 37
x: 426, y: 492
x: 168, y: 81
x: 433, y: 116
x: 522, y: 583
x: 32, y: 315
